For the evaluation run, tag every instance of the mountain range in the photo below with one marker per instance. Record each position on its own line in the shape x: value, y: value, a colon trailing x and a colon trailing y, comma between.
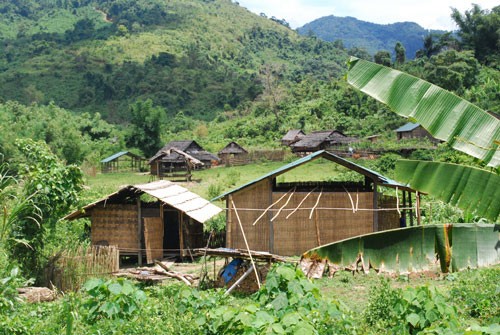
x: 372, y: 37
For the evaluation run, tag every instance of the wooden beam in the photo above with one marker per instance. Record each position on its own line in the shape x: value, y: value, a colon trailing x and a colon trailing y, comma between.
x: 139, y: 232
x: 375, y: 207
x: 229, y: 222
x: 411, y: 209
x: 181, y: 235
x: 270, y: 220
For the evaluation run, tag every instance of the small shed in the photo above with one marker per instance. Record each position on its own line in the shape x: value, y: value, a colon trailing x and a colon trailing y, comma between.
x: 413, y: 130
x: 292, y: 136
x: 170, y: 223
x: 288, y: 218
x: 320, y: 140
x: 233, y: 154
x: 166, y: 161
x: 123, y: 161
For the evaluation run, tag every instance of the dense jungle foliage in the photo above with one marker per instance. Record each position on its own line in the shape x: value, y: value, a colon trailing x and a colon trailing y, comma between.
x: 83, y: 79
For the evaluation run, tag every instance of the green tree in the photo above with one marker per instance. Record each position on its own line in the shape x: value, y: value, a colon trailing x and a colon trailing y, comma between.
x: 383, y: 57
x: 480, y: 31
x: 53, y: 189
x: 400, y: 51
x: 145, y: 129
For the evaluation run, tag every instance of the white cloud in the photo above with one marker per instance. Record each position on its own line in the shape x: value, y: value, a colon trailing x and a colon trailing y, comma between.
x: 430, y: 14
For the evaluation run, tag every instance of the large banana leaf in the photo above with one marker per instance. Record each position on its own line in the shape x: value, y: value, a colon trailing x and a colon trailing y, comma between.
x: 454, y: 247
x: 473, y: 190
x: 446, y: 116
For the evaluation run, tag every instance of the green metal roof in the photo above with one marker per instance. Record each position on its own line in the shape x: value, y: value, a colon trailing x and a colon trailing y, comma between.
x: 408, y: 127
x: 375, y: 176
x: 119, y: 154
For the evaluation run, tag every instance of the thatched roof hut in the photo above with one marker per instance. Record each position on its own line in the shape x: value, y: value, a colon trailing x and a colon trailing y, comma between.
x: 166, y: 161
x: 292, y: 136
x: 288, y: 218
x: 233, y: 154
x: 122, y: 161
x: 168, y: 225
x: 320, y: 140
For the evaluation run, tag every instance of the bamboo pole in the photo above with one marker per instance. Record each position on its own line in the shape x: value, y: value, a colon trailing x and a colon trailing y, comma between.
x: 246, y: 243
x: 296, y: 209
x: 282, y: 207
x: 268, y: 208
x: 316, y: 204
x: 350, y: 198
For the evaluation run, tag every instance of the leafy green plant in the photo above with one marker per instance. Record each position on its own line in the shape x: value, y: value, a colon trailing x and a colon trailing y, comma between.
x: 476, y: 294
x: 112, y: 299
x: 409, y: 311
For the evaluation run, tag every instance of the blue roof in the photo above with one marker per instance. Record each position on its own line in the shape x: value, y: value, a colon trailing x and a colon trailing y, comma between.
x: 408, y: 127
x: 113, y: 157
x: 375, y: 176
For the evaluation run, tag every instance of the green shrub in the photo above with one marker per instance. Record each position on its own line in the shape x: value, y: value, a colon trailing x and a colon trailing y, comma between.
x: 112, y: 299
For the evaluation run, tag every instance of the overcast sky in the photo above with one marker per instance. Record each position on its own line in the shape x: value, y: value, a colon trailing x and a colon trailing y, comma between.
x: 430, y: 14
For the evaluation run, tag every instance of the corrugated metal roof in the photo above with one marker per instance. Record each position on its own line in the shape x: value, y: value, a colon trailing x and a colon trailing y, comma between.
x: 377, y: 177
x: 408, y: 127
x: 169, y: 193
x: 113, y: 157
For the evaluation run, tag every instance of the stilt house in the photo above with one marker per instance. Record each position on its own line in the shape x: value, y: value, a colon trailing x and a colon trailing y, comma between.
x: 169, y: 224
x: 290, y: 218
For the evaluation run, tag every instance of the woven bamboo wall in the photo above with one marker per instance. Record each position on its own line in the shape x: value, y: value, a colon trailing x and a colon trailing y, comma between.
x: 254, y: 197
x: 115, y: 224
x: 193, y: 234
x: 388, y: 219
x: 298, y: 233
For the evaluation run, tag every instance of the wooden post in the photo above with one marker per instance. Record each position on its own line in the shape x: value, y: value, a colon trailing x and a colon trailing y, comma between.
x: 229, y: 222
x: 404, y: 206
x: 411, y: 209
x: 419, y: 221
x: 181, y: 235
x: 375, y: 207
x: 139, y: 232
x: 271, y: 224
x: 162, y: 216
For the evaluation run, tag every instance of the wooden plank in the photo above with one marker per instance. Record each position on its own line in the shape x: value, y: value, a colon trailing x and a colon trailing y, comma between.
x: 153, y: 238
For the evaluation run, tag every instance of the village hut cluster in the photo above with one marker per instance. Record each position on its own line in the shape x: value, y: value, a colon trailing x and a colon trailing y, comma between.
x: 267, y: 215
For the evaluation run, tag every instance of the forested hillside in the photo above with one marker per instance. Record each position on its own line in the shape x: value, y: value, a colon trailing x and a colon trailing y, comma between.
x: 93, y: 77
x: 370, y: 36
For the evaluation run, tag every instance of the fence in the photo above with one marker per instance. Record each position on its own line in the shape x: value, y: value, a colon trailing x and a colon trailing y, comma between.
x: 71, y: 268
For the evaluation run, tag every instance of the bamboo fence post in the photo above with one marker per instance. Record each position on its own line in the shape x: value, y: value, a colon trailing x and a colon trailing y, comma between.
x: 246, y: 243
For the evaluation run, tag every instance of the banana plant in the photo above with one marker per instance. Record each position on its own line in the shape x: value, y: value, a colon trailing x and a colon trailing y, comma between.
x: 444, y: 115
x: 447, y: 117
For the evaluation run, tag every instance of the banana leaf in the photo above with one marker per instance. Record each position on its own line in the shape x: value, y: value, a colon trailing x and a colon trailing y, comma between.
x: 413, y: 249
x: 474, y: 190
x: 447, y: 117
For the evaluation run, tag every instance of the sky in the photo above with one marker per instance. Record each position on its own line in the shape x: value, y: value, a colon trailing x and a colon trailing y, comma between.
x: 430, y: 14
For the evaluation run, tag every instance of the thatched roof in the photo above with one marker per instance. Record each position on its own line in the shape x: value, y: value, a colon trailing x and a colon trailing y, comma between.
x: 321, y: 139
x: 189, y: 147
x: 165, y: 191
x: 233, y: 148
x: 293, y: 134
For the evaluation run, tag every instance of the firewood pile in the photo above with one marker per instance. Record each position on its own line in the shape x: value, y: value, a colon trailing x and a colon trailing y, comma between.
x: 160, y: 272
x: 36, y: 294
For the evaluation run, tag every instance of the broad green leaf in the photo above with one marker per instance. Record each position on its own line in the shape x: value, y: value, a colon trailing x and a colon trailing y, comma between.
x: 447, y: 117
x: 474, y: 190
x: 115, y: 288
x: 415, y: 248
x: 280, y: 302
x: 413, y: 319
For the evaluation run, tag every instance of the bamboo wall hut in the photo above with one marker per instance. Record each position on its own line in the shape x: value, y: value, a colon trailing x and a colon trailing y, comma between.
x: 321, y: 140
x: 413, y: 130
x: 292, y: 136
x: 169, y: 225
x: 123, y: 161
x: 233, y: 154
x: 166, y: 162
x: 290, y: 218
